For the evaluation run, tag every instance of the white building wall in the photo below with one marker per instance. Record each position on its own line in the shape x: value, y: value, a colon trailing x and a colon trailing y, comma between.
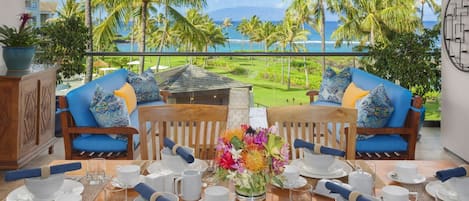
x: 455, y: 106
x: 9, y: 15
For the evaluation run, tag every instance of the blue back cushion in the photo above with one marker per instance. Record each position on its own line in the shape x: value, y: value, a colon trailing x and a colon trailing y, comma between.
x: 400, y: 97
x: 80, y: 98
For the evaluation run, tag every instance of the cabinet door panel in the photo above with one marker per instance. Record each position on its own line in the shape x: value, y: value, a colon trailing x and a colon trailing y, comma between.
x: 28, y: 115
x: 46, y: 109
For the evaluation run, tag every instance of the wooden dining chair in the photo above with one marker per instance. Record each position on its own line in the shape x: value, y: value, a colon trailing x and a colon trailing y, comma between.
x: 194, y: 125
x: 329, y: 126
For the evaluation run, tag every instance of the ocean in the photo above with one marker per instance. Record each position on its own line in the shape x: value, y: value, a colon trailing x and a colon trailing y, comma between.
x: 236, y: 41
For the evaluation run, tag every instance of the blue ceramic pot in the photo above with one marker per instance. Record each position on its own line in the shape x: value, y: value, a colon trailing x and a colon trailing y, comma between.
x: 18, y: 58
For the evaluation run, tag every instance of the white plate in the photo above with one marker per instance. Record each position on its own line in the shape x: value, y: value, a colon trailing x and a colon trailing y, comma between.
x: 299, y: 183
x: 337, y: 170
x: 437, y: 189
x: 116, y: 183
x: 393, y: 176
x: 158, y: 166
x: 70, y: 190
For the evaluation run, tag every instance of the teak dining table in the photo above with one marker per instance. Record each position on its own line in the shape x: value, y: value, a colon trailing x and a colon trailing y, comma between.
x: 426, y: 168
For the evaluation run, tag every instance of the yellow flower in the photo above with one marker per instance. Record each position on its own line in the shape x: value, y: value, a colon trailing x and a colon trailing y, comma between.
x: 254, y: 160
x: 229, y: 134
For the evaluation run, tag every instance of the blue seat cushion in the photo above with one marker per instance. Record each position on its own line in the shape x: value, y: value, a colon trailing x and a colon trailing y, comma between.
x: 102, y: 143
x: 399, y: 96
x: 382, y: 143
x: 325, y: 103
x: 79, y: 99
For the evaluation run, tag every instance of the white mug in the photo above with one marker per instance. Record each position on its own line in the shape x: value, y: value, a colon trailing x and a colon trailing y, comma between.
x: 191, y: 185
x: 174, y: 162
x: 406, y: 171
x: 397, y: 193
x: 291, y: 174
x: 162, y: 181
x: 217, y: 193
x: 128, y: 175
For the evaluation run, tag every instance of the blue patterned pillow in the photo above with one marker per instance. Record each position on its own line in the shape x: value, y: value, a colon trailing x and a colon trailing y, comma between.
x: 108, y: 109
x: 333, y: 85
x: 145, y: 86
x: 374, y: 110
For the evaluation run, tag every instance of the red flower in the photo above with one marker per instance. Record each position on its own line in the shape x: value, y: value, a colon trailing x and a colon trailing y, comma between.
x: 226, y: 161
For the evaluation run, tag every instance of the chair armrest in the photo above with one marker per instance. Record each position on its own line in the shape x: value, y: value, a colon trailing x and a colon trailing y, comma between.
x: 164, y: 95
x: 311, y: 95
x: 385, y: 131
x: 105, y: 131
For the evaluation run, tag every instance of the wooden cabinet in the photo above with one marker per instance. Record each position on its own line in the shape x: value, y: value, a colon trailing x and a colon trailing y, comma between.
x: 27, y: 115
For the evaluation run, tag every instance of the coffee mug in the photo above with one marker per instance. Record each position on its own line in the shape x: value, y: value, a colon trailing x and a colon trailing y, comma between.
x: 397, y: 193
x: 291, y: 174
x: 217, y: 193
x: 191, y: 185
x: 128, y: 175
x: 174, y: 162
x: 162, y: 181
x: 406, y: 171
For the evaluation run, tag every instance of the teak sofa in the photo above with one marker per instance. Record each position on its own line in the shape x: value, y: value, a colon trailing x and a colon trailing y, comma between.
x: 82, y: 136
x: 398, y: 138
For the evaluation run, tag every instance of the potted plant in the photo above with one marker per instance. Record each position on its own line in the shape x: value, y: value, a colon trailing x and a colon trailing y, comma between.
x: 18, y: 44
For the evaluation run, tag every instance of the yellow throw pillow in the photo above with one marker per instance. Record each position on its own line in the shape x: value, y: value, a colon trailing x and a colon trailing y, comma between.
x: 127, y: 93
x: 352, y: 94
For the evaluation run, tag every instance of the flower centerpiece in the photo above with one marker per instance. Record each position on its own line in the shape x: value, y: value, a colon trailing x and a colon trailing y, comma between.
x: 251, y: 158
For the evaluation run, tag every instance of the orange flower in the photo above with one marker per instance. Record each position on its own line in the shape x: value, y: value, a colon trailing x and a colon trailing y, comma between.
x: 229, y: 134
x: 254, y: 160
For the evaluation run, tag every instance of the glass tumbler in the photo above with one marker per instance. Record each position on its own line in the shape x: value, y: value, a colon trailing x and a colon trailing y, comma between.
x: 303, y: 193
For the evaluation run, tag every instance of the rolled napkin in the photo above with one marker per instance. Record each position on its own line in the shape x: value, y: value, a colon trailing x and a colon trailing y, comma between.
x: 345, y: 193
x: 41, y: 172
x: 148, y: 193
x: 322, y: 149
x: 462, y: 171
x: 177, y: 149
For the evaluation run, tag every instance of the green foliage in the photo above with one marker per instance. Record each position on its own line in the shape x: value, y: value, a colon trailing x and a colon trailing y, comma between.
x: 12, y: 37
x: 64, y: 43
x: 411, y: 59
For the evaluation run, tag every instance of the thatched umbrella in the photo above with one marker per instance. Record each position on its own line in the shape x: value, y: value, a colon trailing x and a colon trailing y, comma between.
x: 100, y: 63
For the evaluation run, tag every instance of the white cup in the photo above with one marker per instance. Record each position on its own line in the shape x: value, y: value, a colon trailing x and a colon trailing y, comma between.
x: 128, y: 175
x: 191, y: 185
x: 317, y: 162
x: 217, y: 193
x: 174, y: 162
x: 406, y: 171
x: 291, y: 174
x: 162, y: 181
x: 397, y: 193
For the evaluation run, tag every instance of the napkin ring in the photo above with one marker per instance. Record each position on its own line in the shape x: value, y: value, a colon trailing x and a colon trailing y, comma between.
x: 45, y: 172
x: 466, y: 167
x: 155, y: 196
x: 175, y: 148
x: 353, y: 196
x: 317, y: 148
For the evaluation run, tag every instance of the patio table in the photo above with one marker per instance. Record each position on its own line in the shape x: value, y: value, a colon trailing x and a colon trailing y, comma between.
x: 96, y: 192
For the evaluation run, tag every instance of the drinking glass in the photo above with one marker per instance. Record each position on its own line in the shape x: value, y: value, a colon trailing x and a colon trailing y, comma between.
x: 96, y: 171
x: 302, y: 193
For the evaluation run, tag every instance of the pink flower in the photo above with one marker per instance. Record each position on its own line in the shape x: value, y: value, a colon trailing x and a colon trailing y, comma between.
x: 226, y: 161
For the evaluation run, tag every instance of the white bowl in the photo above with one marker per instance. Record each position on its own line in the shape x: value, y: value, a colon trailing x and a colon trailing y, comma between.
x: 317, y: 162
x: 44, y: 189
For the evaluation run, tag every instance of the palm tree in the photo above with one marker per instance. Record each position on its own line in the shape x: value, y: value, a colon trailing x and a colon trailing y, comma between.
x: 266, y: 34
x: 89, y: 59
x: 249, y: 27
x: 432, y: 4
x: 288, y: 33
x: 371, y: 21
x: 227, y: 24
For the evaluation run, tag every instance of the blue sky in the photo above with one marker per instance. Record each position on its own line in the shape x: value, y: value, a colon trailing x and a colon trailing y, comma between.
x: 219, y: 4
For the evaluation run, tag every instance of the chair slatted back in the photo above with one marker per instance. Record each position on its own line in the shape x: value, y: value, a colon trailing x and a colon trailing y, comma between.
x: 330, y: 126
x: 193, y: 125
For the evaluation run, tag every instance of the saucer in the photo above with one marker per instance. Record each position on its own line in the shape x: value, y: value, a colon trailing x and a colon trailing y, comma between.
x: 158, y: 166
x: 337, y: 170
x: 117, y: 184
x: 437, y: 189
x: 70, y: 190
x: 393, y: 176
x: 299, y: 183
